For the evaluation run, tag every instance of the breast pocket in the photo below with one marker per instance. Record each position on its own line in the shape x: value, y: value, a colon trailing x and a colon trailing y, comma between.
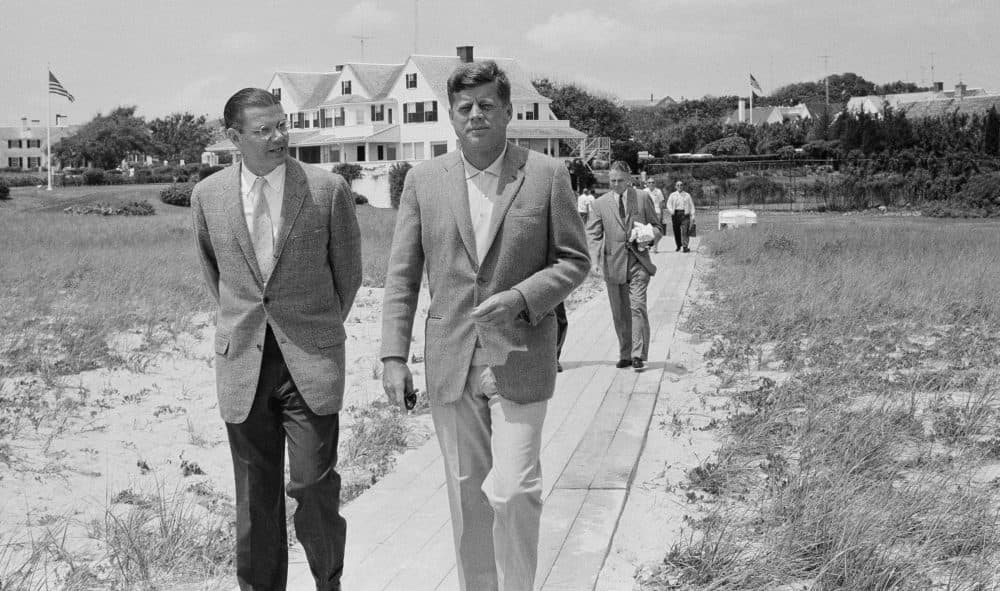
x: 524, y: 212
x: 311, y: 240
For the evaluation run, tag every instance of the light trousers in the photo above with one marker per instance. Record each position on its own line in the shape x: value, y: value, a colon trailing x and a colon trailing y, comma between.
x: 491, y: 448
x: 629, y: 312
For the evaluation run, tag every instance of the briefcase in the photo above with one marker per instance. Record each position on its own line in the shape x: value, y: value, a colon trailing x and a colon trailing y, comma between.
x: 694, y: 230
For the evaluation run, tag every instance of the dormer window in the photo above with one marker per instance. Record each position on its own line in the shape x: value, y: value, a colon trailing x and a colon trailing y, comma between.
x: 277, y: 93
x: 411, y: 80
x: 345, y: 87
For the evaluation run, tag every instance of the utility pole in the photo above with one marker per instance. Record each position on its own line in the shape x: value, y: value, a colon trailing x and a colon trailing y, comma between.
x: 826, y: 79
x: 933, y: 79
x: 362, y: 39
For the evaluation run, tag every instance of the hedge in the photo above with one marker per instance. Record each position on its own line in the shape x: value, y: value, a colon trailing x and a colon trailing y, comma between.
x: 177, y: 194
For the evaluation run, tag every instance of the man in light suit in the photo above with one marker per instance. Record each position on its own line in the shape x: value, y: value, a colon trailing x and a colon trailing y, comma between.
x: 496, y: 227
x: 624, y: 262
x: 281, y: 251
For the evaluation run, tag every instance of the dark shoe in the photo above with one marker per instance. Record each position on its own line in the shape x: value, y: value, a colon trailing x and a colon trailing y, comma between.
x: 622, y: 363
x: 686, y: 249
x: 558, y: 366
x: 637, y: 363
x: 678, y: 249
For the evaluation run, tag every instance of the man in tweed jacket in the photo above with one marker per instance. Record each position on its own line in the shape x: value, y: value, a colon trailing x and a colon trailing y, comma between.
x: 280, y: 248
x: 496, y: 227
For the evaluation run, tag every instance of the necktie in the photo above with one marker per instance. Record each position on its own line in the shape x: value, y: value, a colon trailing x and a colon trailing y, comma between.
x: 621, y: 205
x: 262, y: 233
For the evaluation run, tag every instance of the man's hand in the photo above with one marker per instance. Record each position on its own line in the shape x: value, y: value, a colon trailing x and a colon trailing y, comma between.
x: 397, y: 381
x: 500, y: 308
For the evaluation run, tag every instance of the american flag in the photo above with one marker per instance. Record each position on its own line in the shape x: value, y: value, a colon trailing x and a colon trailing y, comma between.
x: 55, y: 87
x: 754, y: 85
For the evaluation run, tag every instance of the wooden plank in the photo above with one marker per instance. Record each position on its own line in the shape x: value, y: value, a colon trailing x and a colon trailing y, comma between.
x: 583, y: 553
x: 618, y: 465
x: 424, y: 568
x: 560, y: 511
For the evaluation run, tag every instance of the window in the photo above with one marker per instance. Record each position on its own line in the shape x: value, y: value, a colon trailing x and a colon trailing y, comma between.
x: 324, y: 120
x: 380, y: 151
x: 13, y: 144
x: 34, y: 143
x: 390, y: 153
x: 390, y: 116
x: 411, y: 80
x: 334, y: 153
x: 359, y: 117
x: 527, y: 113
x: 420, y: 112
x: 300, y: 121
x: 345, y: 87
x: 34, y: 161
x: 315, y: 118
x: 361, y: 154
x: 276, y: 92
x: 338, y: 118
x: 413, y: 151
x: 438, y: 148
x: 378, y: 113
x: 14, y: 163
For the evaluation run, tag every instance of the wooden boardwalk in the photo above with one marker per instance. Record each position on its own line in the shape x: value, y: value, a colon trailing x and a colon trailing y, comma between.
x: 399, y: 534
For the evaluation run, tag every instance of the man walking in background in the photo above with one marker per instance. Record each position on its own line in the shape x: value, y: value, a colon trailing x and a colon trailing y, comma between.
x: 622, y: 227
x: 657, y: 197
x: 496, y: 228
x: 280, y: 249
x: 680, y: 206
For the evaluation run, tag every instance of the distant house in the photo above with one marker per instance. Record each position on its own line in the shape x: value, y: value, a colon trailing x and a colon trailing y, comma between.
x: 630, y: 104
x: 24, y: 146
x: 912, y: 101
x: 382, y: 113
x: 767, y: 115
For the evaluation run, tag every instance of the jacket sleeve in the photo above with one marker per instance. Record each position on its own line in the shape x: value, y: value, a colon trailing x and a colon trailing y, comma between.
x: 203, y: 244
x: 344, y: 251
x: 402, y: 280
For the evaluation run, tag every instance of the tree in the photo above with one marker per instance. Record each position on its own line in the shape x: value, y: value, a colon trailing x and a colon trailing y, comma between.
x: 106, y: 140
x: 180, y: 136
x: 586, y: 112
x: 991, y: 132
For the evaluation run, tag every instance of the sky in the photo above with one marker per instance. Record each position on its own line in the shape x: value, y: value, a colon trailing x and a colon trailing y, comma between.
x: 186, y: 55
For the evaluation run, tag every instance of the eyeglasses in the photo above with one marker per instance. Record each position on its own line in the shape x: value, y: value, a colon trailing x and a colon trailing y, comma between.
x: 267, y: 131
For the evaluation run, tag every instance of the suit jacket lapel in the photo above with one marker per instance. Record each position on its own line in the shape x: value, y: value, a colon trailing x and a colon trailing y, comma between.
x: 631, y: 208
x: 458, y: 199
x: 511, y: 179
x: 616, y: 213
x: 291, y: 204
x: 233, y: 204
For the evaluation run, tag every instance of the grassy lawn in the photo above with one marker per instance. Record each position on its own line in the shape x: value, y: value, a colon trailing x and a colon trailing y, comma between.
x: 70, y: 281
x: 859, y: 357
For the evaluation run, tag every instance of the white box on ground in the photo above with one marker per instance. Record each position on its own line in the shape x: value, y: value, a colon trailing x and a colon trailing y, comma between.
x: 729, y: 218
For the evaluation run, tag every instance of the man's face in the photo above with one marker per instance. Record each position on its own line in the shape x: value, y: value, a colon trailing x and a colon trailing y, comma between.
x: 679, y: 186
x: 262, y: 138
x: 618, y: 181
x: 480, y: 119
x: 650, y: 185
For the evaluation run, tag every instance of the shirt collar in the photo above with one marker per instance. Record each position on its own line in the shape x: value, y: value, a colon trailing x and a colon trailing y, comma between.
x: 494, y: 168
x: 275, y: 178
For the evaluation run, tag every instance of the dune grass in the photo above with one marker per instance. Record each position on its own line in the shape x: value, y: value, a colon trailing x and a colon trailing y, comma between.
x: 862, y: 450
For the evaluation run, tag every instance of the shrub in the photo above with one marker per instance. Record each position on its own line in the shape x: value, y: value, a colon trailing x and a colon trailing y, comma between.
x: 143, y: 175
x: 732, y: 145
x: 350, y: 171
x: 206, y: 171
x: 397, y: 177
x: 177, y: 194
x: 759, y: 189
x: 95, y: 176
x: 132, y: 208
x: 360, y: 199
x: 24, y: 180
x: 4, y: 190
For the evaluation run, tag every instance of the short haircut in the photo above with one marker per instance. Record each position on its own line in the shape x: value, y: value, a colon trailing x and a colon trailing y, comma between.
x: 232, y: 115
x: 472, y: 74
x: 621, y: 166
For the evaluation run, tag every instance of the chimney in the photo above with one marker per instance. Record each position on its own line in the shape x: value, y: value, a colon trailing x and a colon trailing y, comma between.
x: 464, y: 53
x: 339, y: 68
x: 959, y: 90
x: 651, y: 97
x: 741, y: 112
x: 24, y: 123
x: 939, y: 87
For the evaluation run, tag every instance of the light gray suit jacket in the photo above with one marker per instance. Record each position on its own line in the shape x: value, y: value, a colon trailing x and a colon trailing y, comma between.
x: 537, y: 247
x: 317, y: 272
x: 609, y: 233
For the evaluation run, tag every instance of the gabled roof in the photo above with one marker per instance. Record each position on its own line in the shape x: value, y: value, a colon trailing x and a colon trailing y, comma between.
x: 816, y: 109
x: 346, y: 99
x: 35, y: 132
x: 436, y: 70
x: 759, y: 115
x: 971, y: 105
x: 650, y: 102
x: 377, y: 79
x: 307, y: 89
x: 525, y: 132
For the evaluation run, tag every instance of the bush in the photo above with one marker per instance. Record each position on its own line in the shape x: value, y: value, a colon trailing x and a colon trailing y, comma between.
x: 94, y: 176
x: 350, y: 171
x: 759, y: 189
x: 132, y: 208
x: 23, y: 180
x: 732, y: 145
x: 206, y: 171
x: 177, y: 194
x: 360, y: 199
x: 397, y: 177
x: 4, y: 190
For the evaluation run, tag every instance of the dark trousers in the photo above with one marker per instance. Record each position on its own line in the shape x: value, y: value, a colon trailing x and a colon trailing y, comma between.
x: 681, y: 223
x: 562, y: 325
x: 258, y: 449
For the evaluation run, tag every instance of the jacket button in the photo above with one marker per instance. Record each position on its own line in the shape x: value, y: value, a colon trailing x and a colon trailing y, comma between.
x: 259, y: 347
x: 481, y: 281
x: 267, y: 300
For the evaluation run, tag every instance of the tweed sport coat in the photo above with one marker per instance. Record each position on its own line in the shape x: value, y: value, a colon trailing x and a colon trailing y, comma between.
x: 316, y: 274
x: 608, y: 232
x: 537, y: 247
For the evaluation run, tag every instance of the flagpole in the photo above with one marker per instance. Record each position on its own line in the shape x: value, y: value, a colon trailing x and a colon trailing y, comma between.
x: 48, y: 125
x: 750, y: 85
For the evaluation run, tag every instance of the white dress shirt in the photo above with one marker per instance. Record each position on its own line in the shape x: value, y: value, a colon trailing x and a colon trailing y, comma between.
x: 482, y: 187
x: 274, y: 192
x: 680, y: 201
